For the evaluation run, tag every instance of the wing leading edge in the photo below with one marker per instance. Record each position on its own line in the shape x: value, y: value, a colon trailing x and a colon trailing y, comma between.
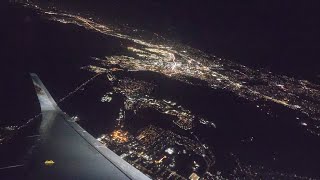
x: 75, y: 153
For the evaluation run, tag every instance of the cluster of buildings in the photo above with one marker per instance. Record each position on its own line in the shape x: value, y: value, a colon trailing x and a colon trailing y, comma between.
x: 159, y: 153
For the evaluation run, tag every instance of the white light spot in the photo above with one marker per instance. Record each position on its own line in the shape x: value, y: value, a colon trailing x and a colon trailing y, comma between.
x: 169, y: 150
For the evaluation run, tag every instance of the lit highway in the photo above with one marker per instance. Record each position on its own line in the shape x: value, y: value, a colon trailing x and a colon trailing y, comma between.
x: 165, y: 153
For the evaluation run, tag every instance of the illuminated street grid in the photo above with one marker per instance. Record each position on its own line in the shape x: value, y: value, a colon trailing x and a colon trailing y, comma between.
x: 154, y: 150
x: 182, y: 63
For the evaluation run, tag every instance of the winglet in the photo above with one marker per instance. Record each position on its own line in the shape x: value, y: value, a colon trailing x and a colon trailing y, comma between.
x: 47, y: 103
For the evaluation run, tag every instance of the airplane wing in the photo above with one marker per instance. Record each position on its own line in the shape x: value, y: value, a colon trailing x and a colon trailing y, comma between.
x: 67, y: 151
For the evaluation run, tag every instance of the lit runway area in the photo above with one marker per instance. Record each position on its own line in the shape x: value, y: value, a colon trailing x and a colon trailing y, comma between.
x: 66, y: 151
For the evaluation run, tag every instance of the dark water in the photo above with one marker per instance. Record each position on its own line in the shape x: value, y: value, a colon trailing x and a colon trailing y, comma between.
x: 282, y: 41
